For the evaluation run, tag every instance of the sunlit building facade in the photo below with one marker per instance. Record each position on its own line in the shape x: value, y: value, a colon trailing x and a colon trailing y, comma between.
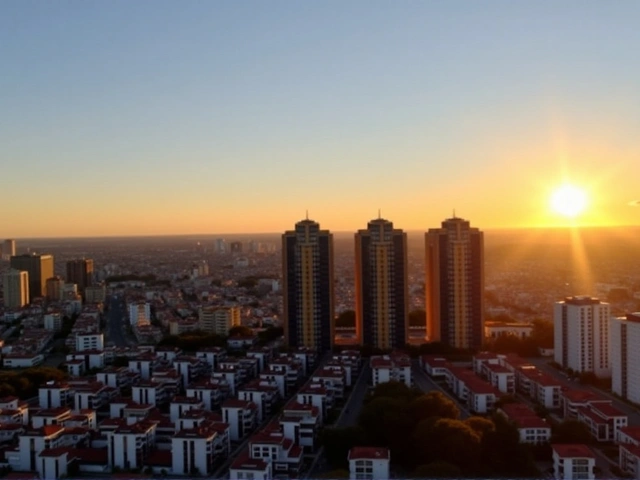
x: 581, y: 335
x: 8, y: 249
x: 454, y: 284
x: 308, y: 288
x: 15, y: 286
x: 625, y: 356
x: 40, y: 269
x: 382, y: 292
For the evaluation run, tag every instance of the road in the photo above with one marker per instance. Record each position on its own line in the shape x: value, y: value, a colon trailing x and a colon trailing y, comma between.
x: 117, y: 322
x: 349, y: 415
x: 632, y: 412
x: 426, y: 384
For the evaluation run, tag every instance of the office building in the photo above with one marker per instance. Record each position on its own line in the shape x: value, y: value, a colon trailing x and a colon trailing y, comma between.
x: 581, y: 335
x: 95, y: 294
x: 80, y: 272
x: 54, y: 288
x: 8, y: 249
x: 454, y: 284
x: 16, y: 288
x: 308, y: 289
x: 625, y: 356
x: 39, y: 267
x: 382, y: 296
x: 218, y: 320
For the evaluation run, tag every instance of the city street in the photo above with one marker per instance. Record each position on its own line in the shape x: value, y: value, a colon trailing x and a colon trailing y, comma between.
x: 351, y: 410
x: 117, y: 322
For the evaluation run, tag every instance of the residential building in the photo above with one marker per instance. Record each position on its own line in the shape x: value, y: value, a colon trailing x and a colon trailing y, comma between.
x: 192, y: 452
x: 241, y: 416
x: 382, y: 299
x: 625, y: 356
x: 53, y: 321
x: 139, y: 313
x: 308, y: 287
x: 454, y: 284
x: 387, y: 368
x: 89, y: 341
x: 573, y: 462
x: 581, y: 335
x: 80, y: 272
x: 8, y: 249
x: 55, y: 288
x: 531, y: 428
x: 369, y: 463
x: 218, y: 320
x: 15, y: 288
x: 244, y: 468
x: 129, y: 445
x: 39, y: 267
x: 95, y: 294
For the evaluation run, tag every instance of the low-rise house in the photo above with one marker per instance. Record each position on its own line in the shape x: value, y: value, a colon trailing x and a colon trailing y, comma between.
x: 192, y: 452
x: 573, y: 462
x: 531, y: 428
x: 241, y: 416
x: 244, y: 467
x: 274, y: 447
x: 129, y: 445
x: 387, y: 368
x: 369, y: 463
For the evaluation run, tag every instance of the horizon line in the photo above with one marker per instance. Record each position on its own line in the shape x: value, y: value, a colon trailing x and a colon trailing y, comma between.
x: 186, y: 235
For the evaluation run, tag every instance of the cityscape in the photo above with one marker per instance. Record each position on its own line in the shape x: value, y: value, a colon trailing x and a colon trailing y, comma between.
x: 361, y: 240
x: 183, y: 357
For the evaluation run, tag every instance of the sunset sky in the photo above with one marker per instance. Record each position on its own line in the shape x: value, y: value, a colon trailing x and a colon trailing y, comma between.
x: 176, y: 117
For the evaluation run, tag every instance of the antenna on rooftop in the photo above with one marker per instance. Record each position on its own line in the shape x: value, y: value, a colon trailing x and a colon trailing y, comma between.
x: 306, y: 214
x: 379, y: 217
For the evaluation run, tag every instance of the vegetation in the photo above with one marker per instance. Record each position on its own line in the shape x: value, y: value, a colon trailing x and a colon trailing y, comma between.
x: 269, y: 335
x: 541, y: 337
x: 192, y: 341
x: 25, y: 383
x: 426, y: 436
x: 240, y: 331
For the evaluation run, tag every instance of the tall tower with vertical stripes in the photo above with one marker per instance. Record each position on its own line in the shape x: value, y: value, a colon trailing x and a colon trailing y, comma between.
x: 455, y: 284
x: 382, y: 299
x: 308, y: 288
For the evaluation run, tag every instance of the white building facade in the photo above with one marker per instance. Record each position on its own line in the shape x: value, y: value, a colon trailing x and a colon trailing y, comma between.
x: 581, y: 335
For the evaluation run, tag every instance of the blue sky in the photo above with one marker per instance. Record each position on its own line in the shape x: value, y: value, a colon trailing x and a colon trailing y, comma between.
x: 210, y: 117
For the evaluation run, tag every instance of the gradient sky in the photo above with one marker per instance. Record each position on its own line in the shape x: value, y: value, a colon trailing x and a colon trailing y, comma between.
x: 178, y: 117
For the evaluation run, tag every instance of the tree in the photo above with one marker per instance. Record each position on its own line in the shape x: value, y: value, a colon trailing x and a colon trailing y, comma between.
x: 433, y: 404
x: 482, y: 426
x: 394, y: 389
x: 437, y: 469
x: 338, y: 441
x: 571, y: 431
x: 447, y: 440
x: 503, y: 453
x: 240, y: 331
x: 338, y: 473
x: 542, y: 333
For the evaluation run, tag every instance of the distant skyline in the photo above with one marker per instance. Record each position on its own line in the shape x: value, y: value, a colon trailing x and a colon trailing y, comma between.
x: 167, y: 118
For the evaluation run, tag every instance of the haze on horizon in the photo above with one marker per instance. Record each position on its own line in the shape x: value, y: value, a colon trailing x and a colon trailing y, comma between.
x: 164, y: 117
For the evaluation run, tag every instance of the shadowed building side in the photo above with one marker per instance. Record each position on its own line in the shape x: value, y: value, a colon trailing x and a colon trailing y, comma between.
x: 382, y: 295
x: 40, y: 269
x: 454, y: 284
x: 308, y: 287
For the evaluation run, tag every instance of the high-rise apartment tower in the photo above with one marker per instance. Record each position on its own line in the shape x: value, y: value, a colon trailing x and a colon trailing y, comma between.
x: 581, y: 335
x: 382, y: 297
x: 454, y: 284
x: 16, y: 288
x: 308, y: 289
x: 80, y: 272
x: 39, y: 267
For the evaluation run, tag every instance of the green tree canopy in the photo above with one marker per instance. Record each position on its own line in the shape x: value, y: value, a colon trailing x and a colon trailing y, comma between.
x: 433, y: 404
x: 437, y: 469
x: 338, y: 441
x: 240, y: 331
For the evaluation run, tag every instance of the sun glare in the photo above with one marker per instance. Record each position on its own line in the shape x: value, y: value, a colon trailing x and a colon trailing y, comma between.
x: 568, y: 201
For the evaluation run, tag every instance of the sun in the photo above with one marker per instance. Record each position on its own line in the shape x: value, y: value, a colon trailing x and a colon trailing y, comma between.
x: 569, y: 201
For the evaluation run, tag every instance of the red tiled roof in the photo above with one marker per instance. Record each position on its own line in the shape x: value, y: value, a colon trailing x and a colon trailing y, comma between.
x: 580, y: 396
x: 368, y: 453
x: 236, y: 403
x: 55, y: 452
x: 631, y: 431
x: 573, y: 450
x: 607, y: 409
x: 245, y: 462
